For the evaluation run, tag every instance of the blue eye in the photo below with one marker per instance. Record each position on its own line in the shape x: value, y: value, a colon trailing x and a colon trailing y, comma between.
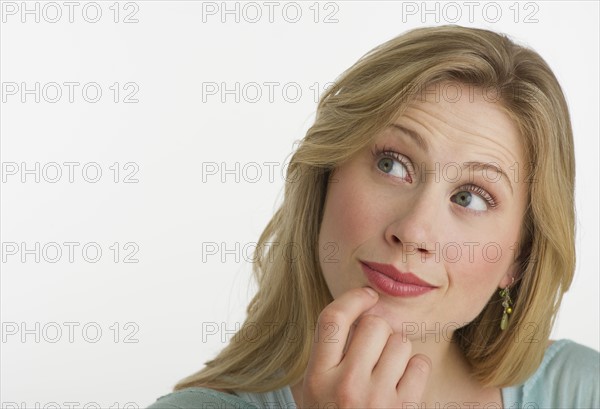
x: 386, y: 159
x: 387, y: 165
x: 480, y: 201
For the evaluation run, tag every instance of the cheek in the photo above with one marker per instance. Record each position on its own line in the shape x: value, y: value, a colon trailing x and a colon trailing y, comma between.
x: 348, y: 221
x: 476, y: 277
x: 349, y: 213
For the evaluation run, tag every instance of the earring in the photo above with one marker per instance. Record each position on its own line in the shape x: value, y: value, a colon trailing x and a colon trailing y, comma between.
x: 507, y: 304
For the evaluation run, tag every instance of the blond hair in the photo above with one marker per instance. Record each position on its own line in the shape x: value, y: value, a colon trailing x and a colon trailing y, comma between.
x: 364, y: 99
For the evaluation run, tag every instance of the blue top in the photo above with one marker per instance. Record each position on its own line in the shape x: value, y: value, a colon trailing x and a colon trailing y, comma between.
x: 568, y: 377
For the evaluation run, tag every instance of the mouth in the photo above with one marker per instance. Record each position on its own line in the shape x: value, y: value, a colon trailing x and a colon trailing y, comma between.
x: 390, y: 280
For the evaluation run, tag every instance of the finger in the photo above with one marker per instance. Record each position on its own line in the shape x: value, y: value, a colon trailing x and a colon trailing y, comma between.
x: 370, y: 337
x: 412, y: 384
x: 350, y: 335
x: 333, y: 327
x: 393, y: 361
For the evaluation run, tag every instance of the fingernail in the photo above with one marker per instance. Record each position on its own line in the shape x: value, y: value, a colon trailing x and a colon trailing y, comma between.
x: 371, y: 292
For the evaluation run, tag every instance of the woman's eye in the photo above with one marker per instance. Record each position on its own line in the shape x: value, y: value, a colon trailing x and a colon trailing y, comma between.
x: 386, y: 165
x: 474, y: 198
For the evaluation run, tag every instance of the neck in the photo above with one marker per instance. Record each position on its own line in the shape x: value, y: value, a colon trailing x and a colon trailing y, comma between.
x: 450, y: 375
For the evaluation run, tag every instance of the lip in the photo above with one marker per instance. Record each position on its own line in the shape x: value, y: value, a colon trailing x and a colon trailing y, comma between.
x: 388, y: 279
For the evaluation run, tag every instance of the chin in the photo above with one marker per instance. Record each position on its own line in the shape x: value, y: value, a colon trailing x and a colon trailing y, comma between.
x: 415, y: 324
x: 400, y: 318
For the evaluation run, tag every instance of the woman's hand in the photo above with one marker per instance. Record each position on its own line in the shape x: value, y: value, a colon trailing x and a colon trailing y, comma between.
x: 376, y: 371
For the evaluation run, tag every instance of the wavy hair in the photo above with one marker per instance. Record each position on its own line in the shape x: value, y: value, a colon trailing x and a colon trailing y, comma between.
x: 362, y: 102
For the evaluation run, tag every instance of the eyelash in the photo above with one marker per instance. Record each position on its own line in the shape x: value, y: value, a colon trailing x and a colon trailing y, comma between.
x: 391, y: 154
x: 488, y: 197
x: 385, y: 152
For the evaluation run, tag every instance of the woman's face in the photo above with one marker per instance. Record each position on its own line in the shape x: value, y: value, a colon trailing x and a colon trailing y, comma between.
x: 421, y: 204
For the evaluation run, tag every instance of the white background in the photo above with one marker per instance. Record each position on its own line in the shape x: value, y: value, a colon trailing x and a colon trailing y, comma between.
x: 163, y: 303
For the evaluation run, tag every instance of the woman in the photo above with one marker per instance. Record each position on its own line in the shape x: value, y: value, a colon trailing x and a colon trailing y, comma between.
x: 439, y: 175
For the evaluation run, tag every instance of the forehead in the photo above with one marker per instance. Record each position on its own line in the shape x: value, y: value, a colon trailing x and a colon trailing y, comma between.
x: 461, y: 117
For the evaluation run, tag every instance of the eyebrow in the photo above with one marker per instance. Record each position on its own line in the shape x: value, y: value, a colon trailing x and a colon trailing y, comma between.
x: 418, y: 139
x: 422, y: 143
x: 486, y: 166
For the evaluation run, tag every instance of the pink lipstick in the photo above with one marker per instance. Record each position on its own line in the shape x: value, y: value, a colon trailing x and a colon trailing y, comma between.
x: 388, y: 279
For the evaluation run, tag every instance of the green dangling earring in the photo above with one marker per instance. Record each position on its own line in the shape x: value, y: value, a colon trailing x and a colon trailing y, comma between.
x: 507, y: 304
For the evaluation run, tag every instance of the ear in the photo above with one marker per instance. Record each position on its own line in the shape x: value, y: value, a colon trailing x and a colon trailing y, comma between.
x: 507, y: 278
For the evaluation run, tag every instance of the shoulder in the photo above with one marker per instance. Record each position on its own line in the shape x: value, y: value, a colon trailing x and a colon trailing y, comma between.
x: 571, y: 355
x: 569, y: 376
x: 200, y: 398
x: 568, y: 358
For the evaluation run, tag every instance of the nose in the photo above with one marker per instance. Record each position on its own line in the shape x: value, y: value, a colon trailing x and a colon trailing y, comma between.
x: 414, y: 226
